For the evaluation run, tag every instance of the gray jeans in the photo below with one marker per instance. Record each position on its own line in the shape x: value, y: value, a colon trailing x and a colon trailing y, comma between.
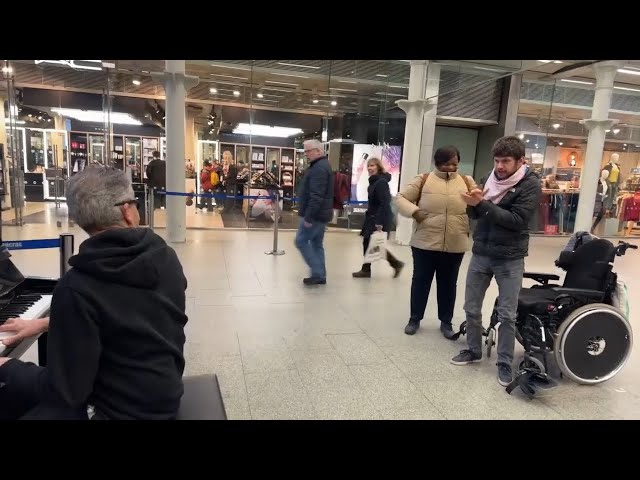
x: 508, y: 274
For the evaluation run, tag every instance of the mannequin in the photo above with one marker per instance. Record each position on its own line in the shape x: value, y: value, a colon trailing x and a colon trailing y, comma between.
x: 613, y: 181
x: 602, y: 195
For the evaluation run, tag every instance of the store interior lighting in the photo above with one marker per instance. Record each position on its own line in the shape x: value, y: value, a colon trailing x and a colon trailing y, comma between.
x: 17, y: 122
x: 266, y: 130
x: 97, y: 116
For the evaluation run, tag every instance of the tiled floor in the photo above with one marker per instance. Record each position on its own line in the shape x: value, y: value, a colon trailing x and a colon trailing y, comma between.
x: 282, y: 351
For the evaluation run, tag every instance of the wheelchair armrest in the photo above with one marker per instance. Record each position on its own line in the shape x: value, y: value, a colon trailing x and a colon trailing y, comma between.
x: 542, y: 278
x: 580, y: 292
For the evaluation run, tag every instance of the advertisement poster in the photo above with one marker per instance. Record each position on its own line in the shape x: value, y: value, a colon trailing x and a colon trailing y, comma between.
x: 390, y: 156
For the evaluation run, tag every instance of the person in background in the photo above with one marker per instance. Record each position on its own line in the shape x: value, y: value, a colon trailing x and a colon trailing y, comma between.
x: 316, y: 200
x: 379, y: 217
x: 116, y: 326
x: 504, y: 208
x: 157, y: 179
x: 206, y: 185
x: 440, y: 238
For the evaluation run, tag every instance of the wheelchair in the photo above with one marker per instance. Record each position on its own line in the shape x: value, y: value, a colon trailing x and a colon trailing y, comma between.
x: 589, y: 338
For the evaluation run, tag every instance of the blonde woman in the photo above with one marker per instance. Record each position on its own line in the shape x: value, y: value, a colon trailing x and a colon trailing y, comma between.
x: 379, y: 217
x: 441, y: 235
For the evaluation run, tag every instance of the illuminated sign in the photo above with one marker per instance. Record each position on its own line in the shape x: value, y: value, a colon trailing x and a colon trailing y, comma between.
x: 76, y: 64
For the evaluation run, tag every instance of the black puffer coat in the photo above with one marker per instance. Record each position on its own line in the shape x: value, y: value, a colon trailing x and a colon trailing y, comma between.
x: 379, y: 211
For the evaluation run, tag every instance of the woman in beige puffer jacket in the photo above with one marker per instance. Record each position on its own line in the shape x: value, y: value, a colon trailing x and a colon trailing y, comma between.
x: 441, y: 235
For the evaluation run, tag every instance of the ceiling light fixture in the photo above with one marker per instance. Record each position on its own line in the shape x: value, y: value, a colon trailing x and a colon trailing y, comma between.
x: 381, y: 75
x: 544, y: 61
x: 266, y: 130
x: 213, y: 90
x: 136, y: 82
x: 343, y: 89
x: 260, y: 95
x: 557, y: 61
x: 521, y: 136
x: 347, y: 81
x: 282, y: 83
x: 568, y: 80
x: 560, y: 143
x: 236, y: 93
x: 315, y: 100
x: 334, y: 103
x: 629, y: 89
x: 297, y: 65
x: 96, y: 116
x: 228, y: 76
x: 556, y: 126
x: 629, y: 72
x: 230, y: 67
x: 289, y: 75
x: 17, y: 122
x: 616, y: 131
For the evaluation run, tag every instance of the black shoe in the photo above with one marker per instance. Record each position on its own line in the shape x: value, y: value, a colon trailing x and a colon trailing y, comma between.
x: 364, y: 273
x: 412, y: 327
x: 398, y: 269
x: 505, y: 376
x: 314, y: 281
x: 465, y: 357
x: 447, y: 330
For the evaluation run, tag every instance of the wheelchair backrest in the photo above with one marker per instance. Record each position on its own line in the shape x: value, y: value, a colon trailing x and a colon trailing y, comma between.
x: 589, y: 266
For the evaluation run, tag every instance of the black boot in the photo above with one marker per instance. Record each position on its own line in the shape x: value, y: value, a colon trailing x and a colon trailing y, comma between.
x: 447, y: 330
x: 396, y: 264
x: 365, y: 271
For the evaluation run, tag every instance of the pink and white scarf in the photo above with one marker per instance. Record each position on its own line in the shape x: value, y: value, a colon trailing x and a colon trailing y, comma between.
x: 495, y: 189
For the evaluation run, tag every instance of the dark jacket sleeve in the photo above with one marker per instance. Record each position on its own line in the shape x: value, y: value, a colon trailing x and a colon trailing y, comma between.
x: 383, y: 197
x: 523, y: 207
x: 74, y: 348
x: 317, y: 189
x: 149, y: 171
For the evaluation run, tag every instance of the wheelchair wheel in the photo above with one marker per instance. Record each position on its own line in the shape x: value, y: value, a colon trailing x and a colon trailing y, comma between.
x: 533, y: 363
x: 491, y: 335
x: 593, y: 343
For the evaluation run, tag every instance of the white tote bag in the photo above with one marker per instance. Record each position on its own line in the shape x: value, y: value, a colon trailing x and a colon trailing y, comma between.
x: 377, y: 249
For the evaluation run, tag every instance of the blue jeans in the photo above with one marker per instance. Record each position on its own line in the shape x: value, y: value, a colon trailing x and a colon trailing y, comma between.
x: 309, y: 242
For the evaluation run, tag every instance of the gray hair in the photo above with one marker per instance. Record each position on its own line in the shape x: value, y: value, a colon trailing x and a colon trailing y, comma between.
x: 92, y: 195
x: 313, y: 144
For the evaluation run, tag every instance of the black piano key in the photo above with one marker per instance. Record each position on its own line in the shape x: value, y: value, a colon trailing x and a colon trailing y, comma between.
x: 17, y: 306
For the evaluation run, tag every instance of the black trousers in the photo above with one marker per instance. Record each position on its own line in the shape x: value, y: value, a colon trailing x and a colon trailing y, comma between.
x: 21, y: 394
x: 445, y: 266
x: 393, y: 261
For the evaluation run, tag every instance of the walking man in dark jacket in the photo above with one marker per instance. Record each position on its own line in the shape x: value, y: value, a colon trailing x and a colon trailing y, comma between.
x: 315, y: 210
x: 503, y: 209
x: 157, y: 179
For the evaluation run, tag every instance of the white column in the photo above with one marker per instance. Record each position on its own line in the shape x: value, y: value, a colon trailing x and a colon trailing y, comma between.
x: 415, y: 107
x: 432, y: 90
x: 176, y: 84
x: 5, y: 167
x: 599, y: 122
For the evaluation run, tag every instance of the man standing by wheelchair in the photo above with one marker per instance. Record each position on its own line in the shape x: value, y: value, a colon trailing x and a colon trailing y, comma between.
x: 503, y: 208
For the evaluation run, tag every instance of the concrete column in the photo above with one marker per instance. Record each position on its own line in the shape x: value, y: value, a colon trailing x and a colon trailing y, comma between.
x: 513, y: 102
x: 6, y: 165
x: 432, y: 90
x: 191, y: 139
x: 176, y: 84
x: 415, y: 107
x: 599, y: 122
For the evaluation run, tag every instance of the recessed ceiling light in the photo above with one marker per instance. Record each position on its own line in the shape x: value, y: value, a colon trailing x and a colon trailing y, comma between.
x: 381, y: 75
x: 521, y: 136
x: 560, y: 143
x: 343, y: 89
x: 556, y: 126
x: 236, y: 93
x: 298, y: 65
x: 228, y: 76
x: 557, y: 61
x: 544, y: 61
x: 136, y: 82
x: 260, y: 95
x: 628, y: 89
x: 629, y: 72
x: 230, y: 67
x: 281, y: 83
x: 568, y: 80
x: 616, y: 131
x: 315, y: 100
x: 607, y: 131
x: 334, y: 103
x: 289, y: 75
x: 213, y: 90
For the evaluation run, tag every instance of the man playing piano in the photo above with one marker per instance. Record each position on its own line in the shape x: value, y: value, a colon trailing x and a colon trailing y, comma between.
x: 116, y: 328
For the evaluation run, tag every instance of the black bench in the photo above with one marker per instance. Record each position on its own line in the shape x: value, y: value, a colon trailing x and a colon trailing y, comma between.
x: 202, y: 399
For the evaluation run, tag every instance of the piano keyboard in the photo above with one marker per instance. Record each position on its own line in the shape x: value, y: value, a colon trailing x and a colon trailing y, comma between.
x: 27, y: 307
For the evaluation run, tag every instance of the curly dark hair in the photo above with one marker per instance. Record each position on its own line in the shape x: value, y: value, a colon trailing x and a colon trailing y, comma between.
x: 509, y: 147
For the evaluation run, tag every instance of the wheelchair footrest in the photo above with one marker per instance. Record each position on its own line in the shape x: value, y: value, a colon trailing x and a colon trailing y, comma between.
x: 530, y: 380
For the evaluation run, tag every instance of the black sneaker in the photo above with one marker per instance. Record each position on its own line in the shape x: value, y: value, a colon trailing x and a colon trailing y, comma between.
x: 505, y: 376
x: 465, y: 357
x: 412, y: 327
x: 397, y: 269
x: 447, y: 330
x: 314, y: 281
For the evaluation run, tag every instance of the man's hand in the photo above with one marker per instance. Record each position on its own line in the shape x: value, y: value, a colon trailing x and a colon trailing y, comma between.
x: 473, y: 198
x: 307, y: 224
x: 23, y: 329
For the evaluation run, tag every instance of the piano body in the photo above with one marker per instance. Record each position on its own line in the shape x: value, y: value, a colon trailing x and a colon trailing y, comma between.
x: 27, y: 298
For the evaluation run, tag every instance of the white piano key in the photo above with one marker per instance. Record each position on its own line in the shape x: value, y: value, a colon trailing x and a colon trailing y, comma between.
x: 37, y: 310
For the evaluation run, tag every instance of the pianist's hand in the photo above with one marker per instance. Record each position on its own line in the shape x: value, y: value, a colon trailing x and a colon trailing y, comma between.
x: 23, y: 329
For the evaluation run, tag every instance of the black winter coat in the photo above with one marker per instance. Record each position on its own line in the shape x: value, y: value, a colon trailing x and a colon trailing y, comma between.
x: 502, y: 230
x: 316, y: 192
x: 379, y: 211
